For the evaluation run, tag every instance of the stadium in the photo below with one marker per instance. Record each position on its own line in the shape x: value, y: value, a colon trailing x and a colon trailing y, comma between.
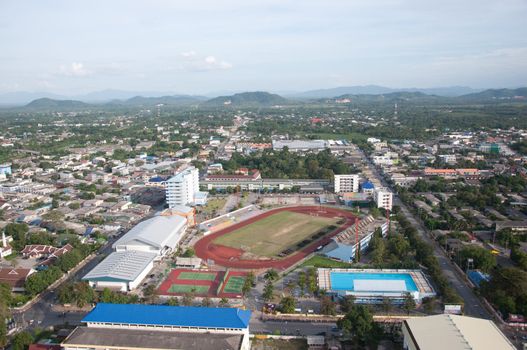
x: 278, y: 238
x: 205, y: 283
x: 371, y: 286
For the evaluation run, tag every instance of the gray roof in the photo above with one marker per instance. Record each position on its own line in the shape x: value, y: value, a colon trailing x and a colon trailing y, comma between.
x: 158, y: 232
x: 121, y: 266
x: 92, y: 337
x: 300, y: 144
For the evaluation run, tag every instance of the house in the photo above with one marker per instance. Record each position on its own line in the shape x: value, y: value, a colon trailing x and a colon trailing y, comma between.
x: 15, y: 278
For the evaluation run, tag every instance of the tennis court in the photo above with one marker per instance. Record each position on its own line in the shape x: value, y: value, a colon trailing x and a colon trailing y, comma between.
x: 197, y: 276
x: 234, y: 284
x: 188, y: 288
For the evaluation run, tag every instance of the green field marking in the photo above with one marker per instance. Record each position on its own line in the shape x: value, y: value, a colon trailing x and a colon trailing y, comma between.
x: 187, y: 288
x: 197, y: 276
x: 234, y: 284
x: 275, y: 233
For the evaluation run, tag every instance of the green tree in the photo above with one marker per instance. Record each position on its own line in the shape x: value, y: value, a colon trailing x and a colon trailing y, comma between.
x: 173, y: 302
x: 271, y: 275
x: 483, y: 258
x: 268, y: 291
x: 347, y: 303
x: 287, y: 305
x: 53, y: 216
x: 223, y: 302
x: 206, y: 302
x: 359, y: 323
x: 408, y: 303
x: 22, y: 340
x: 187, y: 299
x: 327, y: 306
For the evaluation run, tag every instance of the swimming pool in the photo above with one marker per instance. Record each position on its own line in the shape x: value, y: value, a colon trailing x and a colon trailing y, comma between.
x: 372, y: 282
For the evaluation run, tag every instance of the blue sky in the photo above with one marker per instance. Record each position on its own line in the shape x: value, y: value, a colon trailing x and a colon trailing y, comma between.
x: 73, y: 47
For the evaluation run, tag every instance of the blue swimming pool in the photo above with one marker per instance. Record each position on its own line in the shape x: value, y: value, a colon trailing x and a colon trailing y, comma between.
x: 341, y: 281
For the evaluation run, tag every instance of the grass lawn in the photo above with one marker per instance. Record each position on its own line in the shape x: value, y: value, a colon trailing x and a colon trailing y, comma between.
x: 187, y: 288
x: 320, y: 261
x: 197, y: 276
x: 214, y: 204
x: 275, y: 233
x: 234, y: 284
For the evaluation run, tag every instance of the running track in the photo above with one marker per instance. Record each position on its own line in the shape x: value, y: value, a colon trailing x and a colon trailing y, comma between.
x: 230, y: 257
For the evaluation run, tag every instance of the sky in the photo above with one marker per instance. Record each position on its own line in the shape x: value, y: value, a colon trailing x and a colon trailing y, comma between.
x: 201, y: 47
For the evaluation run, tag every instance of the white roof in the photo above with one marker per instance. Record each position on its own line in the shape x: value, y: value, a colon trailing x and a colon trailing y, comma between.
x: 122, y: 266
x: 159, y: 232
x: 455, y: 332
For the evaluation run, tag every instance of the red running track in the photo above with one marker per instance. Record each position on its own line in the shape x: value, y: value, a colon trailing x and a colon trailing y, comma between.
x: 230, y: 257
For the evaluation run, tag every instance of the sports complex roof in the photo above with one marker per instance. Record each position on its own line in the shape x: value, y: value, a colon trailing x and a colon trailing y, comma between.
x: 162, y: 315
x: 455, y: 332
x: 121, y: 266
x: 158, y: 232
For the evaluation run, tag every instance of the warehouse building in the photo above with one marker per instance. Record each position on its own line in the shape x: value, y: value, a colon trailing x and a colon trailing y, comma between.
x: 135, y: 326
x: 453, y: 332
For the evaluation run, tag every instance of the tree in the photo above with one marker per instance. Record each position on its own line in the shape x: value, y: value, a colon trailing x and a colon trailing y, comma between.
x: 347, y: 303
x: 173, y: 302
x: 53, y: 216
x: 287, y: 305
x: 22, y: 340
x: 271, y: 275
x: 359, y: 322
x: 483, y: 258
x: 55, y: 203
x: 206, y: 302
x: 268, y: 291
x: 408, y: 303
x: 301, y: 281
x: 189, y: 253
x: 223, y: 302
x: 187, y: 299
x: 248, y: 283
x: 327, y: 306
x: 387, y: 305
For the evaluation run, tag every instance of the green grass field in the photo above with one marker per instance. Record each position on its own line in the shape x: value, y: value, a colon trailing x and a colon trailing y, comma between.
x: 186, y: 288
x: 273, y: 234
x: 234, y: 284
x: 197, y: 276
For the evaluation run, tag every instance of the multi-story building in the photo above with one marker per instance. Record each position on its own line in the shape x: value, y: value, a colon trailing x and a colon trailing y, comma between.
x: 5, y: 169
x: 181, y: 189
x: 383, y: 198
x: 346, y: 183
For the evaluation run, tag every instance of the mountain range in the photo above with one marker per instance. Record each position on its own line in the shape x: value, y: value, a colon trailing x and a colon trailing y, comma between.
x: 266, y: 99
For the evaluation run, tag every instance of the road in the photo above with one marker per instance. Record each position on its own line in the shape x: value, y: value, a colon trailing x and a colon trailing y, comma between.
x: 258, y: 326
x: 473, y: 305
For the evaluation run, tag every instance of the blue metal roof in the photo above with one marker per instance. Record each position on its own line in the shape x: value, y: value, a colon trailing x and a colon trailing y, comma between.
x: 368, y: 185
x: 163, y: 315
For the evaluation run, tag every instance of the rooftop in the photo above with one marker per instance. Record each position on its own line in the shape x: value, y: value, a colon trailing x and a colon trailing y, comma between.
x: 455, y: 332
x: 91, y: 337
x: 121, y: 266
x: 162, y: 315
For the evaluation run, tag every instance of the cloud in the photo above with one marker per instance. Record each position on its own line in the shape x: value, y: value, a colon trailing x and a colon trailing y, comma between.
x: 75, y: 69
x: 192, y: 61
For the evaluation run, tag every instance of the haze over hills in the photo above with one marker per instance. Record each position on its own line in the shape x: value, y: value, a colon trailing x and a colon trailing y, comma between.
x: 48, y: 103
x: 378, y: 90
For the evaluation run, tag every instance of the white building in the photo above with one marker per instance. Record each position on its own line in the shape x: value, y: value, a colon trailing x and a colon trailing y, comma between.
x: 383, y: 198
x: 453, y: 332
x: 159, y: 235
x: 183, y: 188
x: 346, y: 183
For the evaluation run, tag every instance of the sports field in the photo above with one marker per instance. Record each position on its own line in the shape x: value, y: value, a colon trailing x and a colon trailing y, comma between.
x: 188, y: 288
x: 197, y: 276
x: 271, y: 235
x: 234, y: 285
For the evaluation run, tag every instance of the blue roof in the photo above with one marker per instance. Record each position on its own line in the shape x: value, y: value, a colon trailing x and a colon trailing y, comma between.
x: 477, y: 277
x: 368, y: 185
x: 157, y: 179
x: 163, y: 315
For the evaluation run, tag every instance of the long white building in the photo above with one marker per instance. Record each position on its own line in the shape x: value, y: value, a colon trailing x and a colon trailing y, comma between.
x: 183, y: 189
x: 346, y: 183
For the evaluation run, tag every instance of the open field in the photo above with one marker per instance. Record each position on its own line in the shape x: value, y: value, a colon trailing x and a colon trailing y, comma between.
x: 271, y: 235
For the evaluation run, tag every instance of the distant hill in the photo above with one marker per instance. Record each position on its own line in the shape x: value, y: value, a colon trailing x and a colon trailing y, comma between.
x: 381, y: 90
x: 178, y: 100
x: 249, y: 99
x: 391, y: 97
x: 498, y: 94
x: 48, y: 103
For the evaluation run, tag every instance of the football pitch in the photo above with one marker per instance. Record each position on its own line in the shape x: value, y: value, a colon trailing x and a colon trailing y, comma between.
x: 275, y: 233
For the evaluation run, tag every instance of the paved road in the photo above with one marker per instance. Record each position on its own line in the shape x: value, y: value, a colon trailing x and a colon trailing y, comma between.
x: 473, y: 305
